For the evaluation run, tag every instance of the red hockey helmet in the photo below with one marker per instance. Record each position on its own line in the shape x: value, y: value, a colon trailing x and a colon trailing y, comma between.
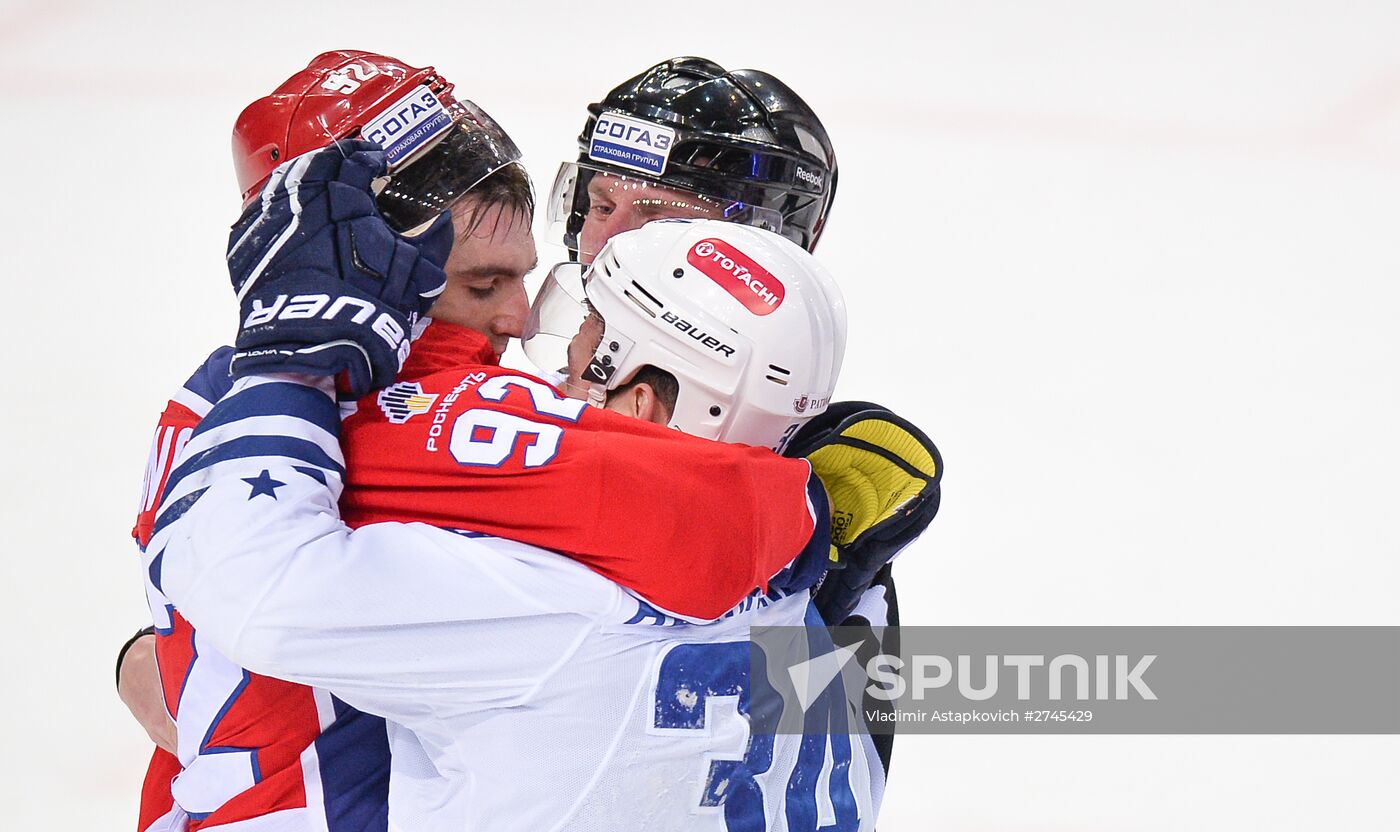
x: 438, y: 147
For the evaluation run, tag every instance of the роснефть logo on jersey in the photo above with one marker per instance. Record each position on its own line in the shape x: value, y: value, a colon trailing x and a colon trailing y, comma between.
x: 750, y: 283
x: 403, y: 400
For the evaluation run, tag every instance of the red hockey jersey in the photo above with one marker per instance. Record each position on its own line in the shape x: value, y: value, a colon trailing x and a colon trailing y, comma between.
x: 462, y: 443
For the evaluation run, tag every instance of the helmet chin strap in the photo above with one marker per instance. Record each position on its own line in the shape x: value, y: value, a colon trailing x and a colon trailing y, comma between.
x: 601, y: 369
x: 595, y: 394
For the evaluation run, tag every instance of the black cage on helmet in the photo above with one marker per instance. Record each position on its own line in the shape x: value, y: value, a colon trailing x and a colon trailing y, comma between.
x: 743, y: 136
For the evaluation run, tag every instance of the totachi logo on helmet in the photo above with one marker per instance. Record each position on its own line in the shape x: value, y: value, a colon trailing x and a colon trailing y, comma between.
x: 749, y: 283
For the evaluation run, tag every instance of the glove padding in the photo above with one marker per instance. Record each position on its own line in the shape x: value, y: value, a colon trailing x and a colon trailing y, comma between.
x: 882, y: 476
x: 324, y: 284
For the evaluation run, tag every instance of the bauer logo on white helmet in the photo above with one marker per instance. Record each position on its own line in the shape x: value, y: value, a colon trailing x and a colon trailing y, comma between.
x: 749, y: 324
x: 751, y: 284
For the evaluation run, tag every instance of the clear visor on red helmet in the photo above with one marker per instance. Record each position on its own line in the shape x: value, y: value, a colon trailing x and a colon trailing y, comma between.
x: 438, y: 175
x: 589, y: 205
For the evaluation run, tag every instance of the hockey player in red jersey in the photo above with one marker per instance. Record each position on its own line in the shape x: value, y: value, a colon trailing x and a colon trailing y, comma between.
x: 263, y: 742
x: 510, y: 427
x: 487, y: 297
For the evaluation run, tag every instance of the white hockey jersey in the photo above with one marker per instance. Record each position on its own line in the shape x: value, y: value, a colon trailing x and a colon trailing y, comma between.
x: 523, y: 691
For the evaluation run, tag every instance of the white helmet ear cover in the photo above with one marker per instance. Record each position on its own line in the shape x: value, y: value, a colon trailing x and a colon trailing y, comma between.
x: 611, y: 354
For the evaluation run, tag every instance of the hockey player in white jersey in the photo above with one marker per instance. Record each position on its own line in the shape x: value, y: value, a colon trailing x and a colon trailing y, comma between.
x: 604, y: 712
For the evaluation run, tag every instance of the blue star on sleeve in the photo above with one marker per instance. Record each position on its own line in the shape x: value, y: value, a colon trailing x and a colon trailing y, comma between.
x: 263, y: 484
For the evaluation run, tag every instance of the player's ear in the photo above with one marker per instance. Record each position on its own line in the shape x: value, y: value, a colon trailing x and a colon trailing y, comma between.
x: 649, y: 405
x: 639, y: 401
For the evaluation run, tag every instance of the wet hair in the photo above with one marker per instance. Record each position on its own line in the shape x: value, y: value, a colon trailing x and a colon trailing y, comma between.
x: 508, y: 188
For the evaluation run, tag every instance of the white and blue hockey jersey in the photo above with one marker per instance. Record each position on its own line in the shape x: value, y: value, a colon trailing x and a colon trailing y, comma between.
x: 523, y: 690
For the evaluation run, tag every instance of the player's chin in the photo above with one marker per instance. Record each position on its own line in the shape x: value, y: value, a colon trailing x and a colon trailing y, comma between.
x: 498, y: 345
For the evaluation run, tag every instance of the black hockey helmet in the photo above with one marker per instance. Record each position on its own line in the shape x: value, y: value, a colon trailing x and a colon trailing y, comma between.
x: 742, y: 140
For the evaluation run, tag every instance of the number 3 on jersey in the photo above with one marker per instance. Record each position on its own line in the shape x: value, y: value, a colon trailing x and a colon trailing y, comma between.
x: 692, y: 682
x: 488, y: 438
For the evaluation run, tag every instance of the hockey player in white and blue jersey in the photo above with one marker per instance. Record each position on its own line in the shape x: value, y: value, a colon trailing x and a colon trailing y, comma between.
x: 603, y: 712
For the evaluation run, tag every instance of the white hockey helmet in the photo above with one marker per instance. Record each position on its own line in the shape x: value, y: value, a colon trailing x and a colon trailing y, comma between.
x: 752, y: 327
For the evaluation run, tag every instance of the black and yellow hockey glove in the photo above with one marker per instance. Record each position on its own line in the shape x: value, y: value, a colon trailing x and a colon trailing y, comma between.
x: 882, y: 476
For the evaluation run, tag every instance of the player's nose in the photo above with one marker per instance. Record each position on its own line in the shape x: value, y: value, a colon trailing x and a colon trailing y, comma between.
x: 510, y: 318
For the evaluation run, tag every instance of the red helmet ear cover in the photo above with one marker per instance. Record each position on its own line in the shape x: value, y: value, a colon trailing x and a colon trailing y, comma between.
x: 331, y: 99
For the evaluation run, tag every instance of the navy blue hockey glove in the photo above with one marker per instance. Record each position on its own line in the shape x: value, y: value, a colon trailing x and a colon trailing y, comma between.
x: 324, y: 285
x: 882, y: 476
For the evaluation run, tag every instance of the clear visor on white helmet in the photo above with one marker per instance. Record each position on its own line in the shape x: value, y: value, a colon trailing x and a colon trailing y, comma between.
x: 564, y: 333
x: 590, y: 204
x: 559, y: 310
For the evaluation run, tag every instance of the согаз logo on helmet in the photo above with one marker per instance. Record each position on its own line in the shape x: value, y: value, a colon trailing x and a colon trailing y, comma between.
x: 636, y: 134
x: 631, y: 143
x: 751, y: 284
x: 408, y: 125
